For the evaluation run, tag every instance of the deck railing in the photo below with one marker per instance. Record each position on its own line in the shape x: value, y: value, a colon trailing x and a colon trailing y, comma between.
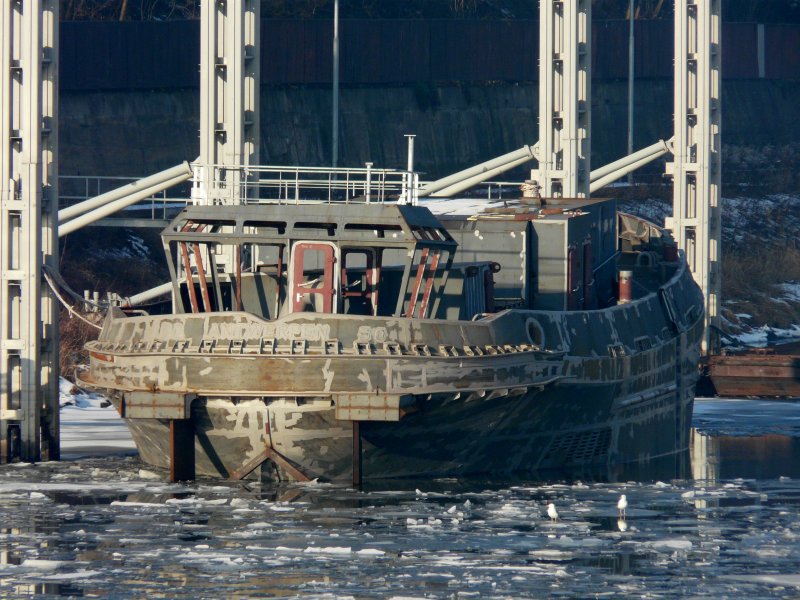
x: 73, y: 189
x: 290, y: 184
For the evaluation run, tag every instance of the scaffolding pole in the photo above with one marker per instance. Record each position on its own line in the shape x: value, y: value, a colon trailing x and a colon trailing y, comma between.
x: 29, y: 420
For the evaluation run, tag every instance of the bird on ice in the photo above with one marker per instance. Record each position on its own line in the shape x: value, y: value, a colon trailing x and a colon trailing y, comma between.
x: 622, y: 505
x: 552, y: 512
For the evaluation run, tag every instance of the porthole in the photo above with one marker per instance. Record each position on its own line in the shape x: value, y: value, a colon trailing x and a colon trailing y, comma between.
x: 535, y: 332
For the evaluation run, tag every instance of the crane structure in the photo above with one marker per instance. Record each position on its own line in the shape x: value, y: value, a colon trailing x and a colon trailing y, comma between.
x: 565, y: 57
x: 696, y: 220
x: 29, y: 420
x: 230, y: 67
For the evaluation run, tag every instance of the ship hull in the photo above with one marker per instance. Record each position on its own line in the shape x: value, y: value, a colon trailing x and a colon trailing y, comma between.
x: 571, y: 424
x: 566, y: 428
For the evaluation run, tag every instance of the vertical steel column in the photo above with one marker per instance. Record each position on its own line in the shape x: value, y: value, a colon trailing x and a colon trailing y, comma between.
x: 564, y: 98
x: 29, y: 422
x: 696, y: 170
x: 335, y: 120
x: 230, y: 32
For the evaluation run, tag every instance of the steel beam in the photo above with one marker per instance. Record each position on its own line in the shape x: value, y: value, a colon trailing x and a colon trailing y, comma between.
x: 486, y: 169
x: 457, y: 188
x: 156, y: 183
x: 696, y: 170
x: 564, y: 98
x: 134, y: 194
x: 229, y: 94
x: 29, y: 422
x: 619, y: 168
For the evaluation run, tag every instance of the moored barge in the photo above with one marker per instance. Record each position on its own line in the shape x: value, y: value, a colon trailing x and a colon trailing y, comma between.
x: 373, y: 340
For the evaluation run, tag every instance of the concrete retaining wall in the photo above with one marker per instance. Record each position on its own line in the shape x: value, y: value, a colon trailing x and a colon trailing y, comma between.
x: 137, y: 133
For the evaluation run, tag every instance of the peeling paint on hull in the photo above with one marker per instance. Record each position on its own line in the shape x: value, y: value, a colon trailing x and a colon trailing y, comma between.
x: 572, y: 424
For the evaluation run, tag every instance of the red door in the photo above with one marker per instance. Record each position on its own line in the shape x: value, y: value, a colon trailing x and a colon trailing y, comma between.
x: 313, y: 283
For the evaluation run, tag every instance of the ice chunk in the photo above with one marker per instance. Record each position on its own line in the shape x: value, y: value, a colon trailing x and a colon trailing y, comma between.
x: 669, y: 545
x: 328, y: 550
x: 43, y: 565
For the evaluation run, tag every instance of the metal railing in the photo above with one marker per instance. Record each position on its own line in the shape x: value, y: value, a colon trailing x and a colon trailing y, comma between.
x: 291, y: 184
x: 73, y: 189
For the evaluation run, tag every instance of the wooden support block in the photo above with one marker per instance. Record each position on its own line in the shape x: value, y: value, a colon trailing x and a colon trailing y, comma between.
x: 181, y: 450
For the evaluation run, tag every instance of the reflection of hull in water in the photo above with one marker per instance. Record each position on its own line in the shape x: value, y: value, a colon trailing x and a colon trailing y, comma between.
x: 721, y: 457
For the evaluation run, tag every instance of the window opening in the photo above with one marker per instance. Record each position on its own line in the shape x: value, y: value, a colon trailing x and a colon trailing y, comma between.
x: 359, y: 280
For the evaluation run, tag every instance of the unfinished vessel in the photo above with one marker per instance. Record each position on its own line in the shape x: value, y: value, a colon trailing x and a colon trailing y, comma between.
x: 365, y: 339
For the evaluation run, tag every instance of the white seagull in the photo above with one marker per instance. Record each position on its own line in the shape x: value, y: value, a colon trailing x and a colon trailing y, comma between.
x: 552, y: 512
x: 622, y: 505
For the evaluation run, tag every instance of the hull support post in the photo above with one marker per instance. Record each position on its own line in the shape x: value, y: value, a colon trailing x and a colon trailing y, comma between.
x: 357, y: 464
x: 181, y: 450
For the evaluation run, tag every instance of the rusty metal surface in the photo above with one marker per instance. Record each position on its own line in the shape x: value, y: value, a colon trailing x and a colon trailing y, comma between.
x: 555, y: 425
x: 156, y: 405
x: 372, y: 407
x: 756, y: 374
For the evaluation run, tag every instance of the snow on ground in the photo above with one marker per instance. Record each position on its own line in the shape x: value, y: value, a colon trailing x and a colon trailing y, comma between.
x: 791, y: 291
x: 747, y: 222
x: 758, y: 337
x: 90, y: 426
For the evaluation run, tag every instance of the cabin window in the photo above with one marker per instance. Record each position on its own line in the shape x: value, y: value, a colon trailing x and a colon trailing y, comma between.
x: 314, y: 281
x: 379, y: 230
x: 359, y: 280
x: 328, y: 228
x: 266, y: 227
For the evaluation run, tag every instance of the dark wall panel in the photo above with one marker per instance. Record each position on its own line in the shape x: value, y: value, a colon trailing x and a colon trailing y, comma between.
x: 131, y: 55
x: 154, y: 55
x: 782, y: 46
x: 739, y: 51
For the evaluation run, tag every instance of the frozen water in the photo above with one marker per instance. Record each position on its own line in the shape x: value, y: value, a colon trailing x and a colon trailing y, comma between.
x: 110, y: 526
x: 89, y: 425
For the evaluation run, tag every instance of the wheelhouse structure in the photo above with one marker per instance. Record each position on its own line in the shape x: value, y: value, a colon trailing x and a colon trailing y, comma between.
x: 348, y: 259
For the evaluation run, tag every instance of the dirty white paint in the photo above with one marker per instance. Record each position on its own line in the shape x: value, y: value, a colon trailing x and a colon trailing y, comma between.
x: 327, y: 375
x: 368, y: 334
x: 364, y: 376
